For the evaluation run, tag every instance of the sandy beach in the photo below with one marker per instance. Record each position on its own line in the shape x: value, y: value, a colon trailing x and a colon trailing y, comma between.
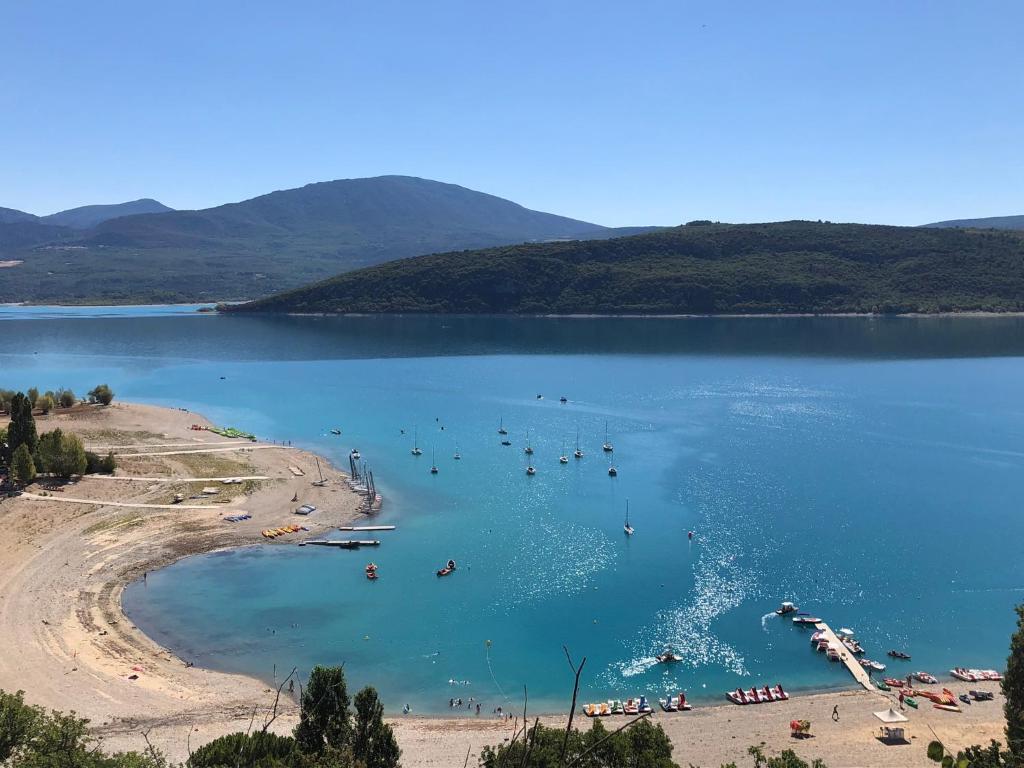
x: 68, y: 551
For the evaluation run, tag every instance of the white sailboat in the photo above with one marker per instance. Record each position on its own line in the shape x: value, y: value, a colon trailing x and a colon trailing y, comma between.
x: 457, y: 455
x: 607, y: 447
x: 433, y: 464
x: 626, y: 526
x: 528, y: 450
x: 564, y: 458
x: 416, y: 451
x: 578, y: 453
x: 501, y: 427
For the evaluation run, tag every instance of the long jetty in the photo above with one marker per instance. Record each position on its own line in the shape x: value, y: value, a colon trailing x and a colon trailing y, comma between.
x: 366, y: 528
x: 341, y: 543
x: 846, y: 656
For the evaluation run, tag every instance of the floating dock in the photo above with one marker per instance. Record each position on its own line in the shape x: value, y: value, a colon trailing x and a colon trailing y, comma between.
x: 846, y: 657
x: 367, y: 528
x: 341, y: 543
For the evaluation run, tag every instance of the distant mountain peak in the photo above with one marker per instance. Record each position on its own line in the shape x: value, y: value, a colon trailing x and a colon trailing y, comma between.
x: 990, y: 222
x: 88, y: 216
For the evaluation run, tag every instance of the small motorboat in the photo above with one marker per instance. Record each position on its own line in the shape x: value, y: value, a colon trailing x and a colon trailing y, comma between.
x: 894, y: 682
x: 371, y: 567
x: 563, y: 399
x: 667, y: 657
x: 563, y: 459
x: 457, y: 456
x: 785, y: 608
x: 882, y: 685
x: 506, y: 442
x: 900, y: 655
x: 540, y: 397
x: 531, y: 471
x: 873, y: 666
x: 448, y: 568
x: 335, y: 431
x: 924, y: 677
x: 807, y: 620
x: 613, y: 472
x: 371, y: 575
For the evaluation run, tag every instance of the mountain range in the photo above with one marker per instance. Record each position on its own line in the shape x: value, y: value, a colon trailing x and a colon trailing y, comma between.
x: 700, y: 268
x: 268, y: 243
x: 992, y: 222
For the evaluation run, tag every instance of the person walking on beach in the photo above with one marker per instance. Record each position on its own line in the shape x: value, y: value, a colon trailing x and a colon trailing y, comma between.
x: 835, y: 713
x: 901, y: 699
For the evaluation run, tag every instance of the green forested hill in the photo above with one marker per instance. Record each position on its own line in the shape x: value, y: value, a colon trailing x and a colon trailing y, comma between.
x: 259, y: 246
x: 795, y: 266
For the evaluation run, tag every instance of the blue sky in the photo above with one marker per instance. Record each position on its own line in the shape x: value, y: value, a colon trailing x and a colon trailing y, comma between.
x: 619, y: 113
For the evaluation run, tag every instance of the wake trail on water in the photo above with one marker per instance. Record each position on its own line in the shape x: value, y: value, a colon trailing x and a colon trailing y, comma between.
x: 765, y: 618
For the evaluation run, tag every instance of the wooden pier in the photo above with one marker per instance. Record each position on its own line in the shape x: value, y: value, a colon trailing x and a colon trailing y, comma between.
x: 846, y: 656
x: 341, y: 543
x: 366, y: 528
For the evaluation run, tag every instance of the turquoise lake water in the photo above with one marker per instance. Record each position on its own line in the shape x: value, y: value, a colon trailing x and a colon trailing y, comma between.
x: 868, y: 469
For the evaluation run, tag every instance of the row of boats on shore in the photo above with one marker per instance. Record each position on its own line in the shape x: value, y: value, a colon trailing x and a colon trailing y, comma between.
x: 636, y: 706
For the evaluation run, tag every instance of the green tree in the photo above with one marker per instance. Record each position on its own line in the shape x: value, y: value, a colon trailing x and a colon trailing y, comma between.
x: 17, y: 722
x: 23, y: 425
x: 373, y: 741
x: 108, y: 463
x: 1013, y: 690
x: 23, y: 468
x: 324, y: 716
x: 65, y: 397
x: 252, y: 750
x: 33, y: 396
x: 61, y: 454
x: 45, y: 403
x: 6, y: 396
x: 30, y: 737
x: 4, y: 453
x: 642, y: 745
x: 101, y: 394
x: 786, y: 759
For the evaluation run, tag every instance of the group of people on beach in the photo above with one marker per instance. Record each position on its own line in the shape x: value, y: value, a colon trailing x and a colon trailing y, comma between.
x: 454, y: 703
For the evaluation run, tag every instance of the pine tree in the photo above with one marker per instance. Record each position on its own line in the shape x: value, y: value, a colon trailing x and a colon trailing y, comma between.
x: 1013, y: 690
x: 373, y: 741
x: 23, y: 468
x: 324, y: 717
x: 23, y: 425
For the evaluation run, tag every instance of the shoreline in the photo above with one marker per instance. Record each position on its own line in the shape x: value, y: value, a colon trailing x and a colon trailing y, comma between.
x: 78, y: 649
x: 210, y: 307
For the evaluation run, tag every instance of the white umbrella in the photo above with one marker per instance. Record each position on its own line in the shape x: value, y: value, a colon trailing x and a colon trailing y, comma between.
x: 890, y: 715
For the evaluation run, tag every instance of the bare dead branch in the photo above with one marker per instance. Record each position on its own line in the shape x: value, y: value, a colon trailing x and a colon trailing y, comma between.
x: 575, y: 692
x: 277, y: 699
